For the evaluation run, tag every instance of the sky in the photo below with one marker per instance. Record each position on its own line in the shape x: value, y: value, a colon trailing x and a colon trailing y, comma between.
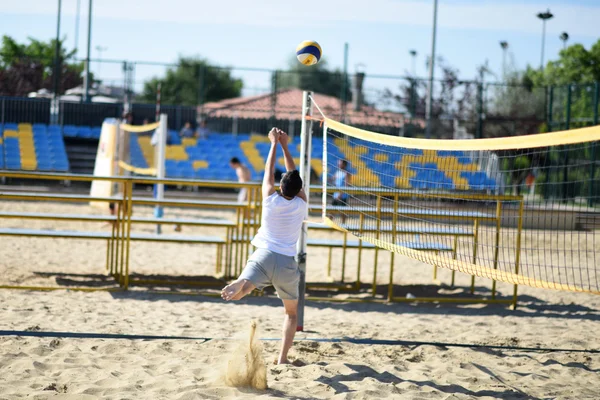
x: 264, y: 33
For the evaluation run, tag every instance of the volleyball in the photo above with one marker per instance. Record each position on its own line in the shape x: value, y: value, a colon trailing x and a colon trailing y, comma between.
x: 308, y: 52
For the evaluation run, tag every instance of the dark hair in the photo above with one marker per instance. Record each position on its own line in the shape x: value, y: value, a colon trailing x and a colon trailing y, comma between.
x: 235, y: 160
x: 291, y: 183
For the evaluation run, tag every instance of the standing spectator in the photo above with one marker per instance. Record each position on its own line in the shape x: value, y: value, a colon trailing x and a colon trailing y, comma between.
x: 243, y: 175
x: 187, y: 131
x: 341, y: 179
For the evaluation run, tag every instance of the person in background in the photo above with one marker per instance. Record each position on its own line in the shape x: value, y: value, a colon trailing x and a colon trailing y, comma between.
x: 187, y: 131
x: 243, y: 175
x: 341, y: 179
x: 202, y: 131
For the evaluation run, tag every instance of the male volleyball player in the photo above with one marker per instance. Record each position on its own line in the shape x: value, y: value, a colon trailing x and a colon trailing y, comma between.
x: 273, y: 261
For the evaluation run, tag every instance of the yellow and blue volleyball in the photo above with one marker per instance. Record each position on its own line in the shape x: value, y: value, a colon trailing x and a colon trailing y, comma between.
x: 308, y: 52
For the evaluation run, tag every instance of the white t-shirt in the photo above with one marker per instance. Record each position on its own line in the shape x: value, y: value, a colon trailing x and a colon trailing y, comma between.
x: 280, y: 224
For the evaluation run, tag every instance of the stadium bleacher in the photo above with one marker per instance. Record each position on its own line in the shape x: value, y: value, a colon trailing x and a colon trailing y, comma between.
x: 36, y: 147
x: 41, y: 147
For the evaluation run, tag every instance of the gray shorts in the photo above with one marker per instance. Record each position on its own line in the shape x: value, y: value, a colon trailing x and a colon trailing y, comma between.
x: 265, y: 268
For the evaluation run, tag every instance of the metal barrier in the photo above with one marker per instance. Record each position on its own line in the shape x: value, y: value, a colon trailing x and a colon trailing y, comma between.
x: 237, y: 239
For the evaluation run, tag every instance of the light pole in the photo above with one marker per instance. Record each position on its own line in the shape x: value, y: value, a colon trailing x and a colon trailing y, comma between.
x: 77, y: 12
x: 57, y: 55
x: 431, y: 69
x: 86, y: 78
x: 544, y: 16
x: 100, y: 50
x: 413, y: 54
x: 564, y: 37
x: 504, y: 45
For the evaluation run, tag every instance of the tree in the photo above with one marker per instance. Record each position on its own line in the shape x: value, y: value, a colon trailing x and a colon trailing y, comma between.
x: 577, y: 69
x: 181, y: 85
x: 28, y: 67
x: 315, y: 77
x: 453, y: 99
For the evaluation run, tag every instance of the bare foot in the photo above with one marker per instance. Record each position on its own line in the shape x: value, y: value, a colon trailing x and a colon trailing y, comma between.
x: 233, y: 291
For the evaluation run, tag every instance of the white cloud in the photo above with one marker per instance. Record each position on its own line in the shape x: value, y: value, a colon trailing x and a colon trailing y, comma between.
x: 505, y: 15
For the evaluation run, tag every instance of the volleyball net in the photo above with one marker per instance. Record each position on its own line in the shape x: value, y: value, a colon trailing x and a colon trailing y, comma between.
x: 521, y: 210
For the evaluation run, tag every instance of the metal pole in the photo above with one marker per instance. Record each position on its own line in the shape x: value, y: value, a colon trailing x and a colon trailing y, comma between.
x: 86, y: 79
x: 480, y: 109
x: 566, y: 150
x: 57, y: 54
x: 431, y: 69
x: 543, y: 44
x: 591, y: 197
x: 305, y: 146
x: 344, y: 93
x: 159, y: 163
x: 77, y: 12
x: 158, y: 211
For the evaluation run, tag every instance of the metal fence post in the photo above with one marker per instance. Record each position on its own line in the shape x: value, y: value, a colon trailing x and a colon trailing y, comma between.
x: 274, y: 97
x: 550, y: 105
x: 566, y: 148
x: 591, y: 197
x: 479, y: 110
x: 568, y: 111
x: 2, y: 119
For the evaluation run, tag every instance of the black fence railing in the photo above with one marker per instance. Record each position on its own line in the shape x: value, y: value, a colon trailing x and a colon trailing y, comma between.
x: 39, y: 111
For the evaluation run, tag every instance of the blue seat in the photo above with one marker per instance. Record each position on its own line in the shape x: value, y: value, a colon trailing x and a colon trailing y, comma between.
x: 96, y: 132
x: 70, y: 131
x: 11, y: 126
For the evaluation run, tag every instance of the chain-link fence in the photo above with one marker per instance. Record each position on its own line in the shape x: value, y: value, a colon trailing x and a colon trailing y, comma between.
x: 251, y: 100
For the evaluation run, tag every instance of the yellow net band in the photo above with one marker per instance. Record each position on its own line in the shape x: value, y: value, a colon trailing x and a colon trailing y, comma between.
x: 573, y: 136
x: 139, y: 128
x: 466, y: 267
x: 136, y: 170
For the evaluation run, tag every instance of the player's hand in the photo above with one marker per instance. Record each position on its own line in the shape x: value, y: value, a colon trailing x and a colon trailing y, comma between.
x: 283, y: 138
x: 274, y: 135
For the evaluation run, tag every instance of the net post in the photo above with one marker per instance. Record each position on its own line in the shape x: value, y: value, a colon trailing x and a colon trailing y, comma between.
x: 518, y: 255
x: 305, y: 148
x: 159, y: 164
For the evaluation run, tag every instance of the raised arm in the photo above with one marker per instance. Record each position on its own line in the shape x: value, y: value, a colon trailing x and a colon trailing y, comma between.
x: 268, y: 184
x: 288, y: 159
x: 287, y: 156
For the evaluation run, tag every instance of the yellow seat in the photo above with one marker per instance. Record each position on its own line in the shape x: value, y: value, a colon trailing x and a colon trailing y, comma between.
x: 259, y: 138
x: 200, y: 164
x: 281, y: 160
x: 11, y: 133
x: 381, y: 157
x: 187, y: 142
x: 25, y: 125
x: 360, y: 150
x: 317, y: 165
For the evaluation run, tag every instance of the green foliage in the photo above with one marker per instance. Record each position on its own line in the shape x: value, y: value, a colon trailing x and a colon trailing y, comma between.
x: 315, y: 77
x: 27, y: 67
x: 181, y: 85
